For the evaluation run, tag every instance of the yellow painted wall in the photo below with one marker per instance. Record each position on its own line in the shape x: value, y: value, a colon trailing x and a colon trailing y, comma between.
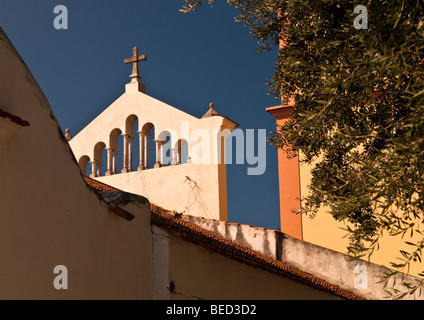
x: 325, y: 231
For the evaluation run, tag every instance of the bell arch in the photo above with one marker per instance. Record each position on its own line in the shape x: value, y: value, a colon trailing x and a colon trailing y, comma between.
x: 164, y: 154
x: 129, y: 124
x: 97, y: 162
x: 112, y: 151
x: 182, y: 149
x: 83, y: 163
x: 129, y: 137
x: 146, y: 145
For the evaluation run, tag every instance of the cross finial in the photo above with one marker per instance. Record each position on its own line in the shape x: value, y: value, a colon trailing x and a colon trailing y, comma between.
x: 135, y: 76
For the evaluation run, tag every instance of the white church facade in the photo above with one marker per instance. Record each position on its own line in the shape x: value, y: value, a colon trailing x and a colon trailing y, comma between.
x: 185, y: 171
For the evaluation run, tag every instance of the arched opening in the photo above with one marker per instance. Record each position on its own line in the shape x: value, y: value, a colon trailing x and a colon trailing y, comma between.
x: 114, y: 162
x: 166, y: 155
x: 113, y: 138
x: 129, y: 124
x: 182, y: 151
x: 149, y: 146
x: 84, y: 164
x: 131, y: 143
x: 136, y: 156
x: 99, y: 159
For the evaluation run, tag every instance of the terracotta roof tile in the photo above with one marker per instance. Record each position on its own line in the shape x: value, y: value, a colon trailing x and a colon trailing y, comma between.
x: 99, y: 186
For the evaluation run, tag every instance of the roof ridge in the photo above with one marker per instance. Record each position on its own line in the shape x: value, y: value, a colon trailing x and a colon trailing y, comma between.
x: 99, y: 186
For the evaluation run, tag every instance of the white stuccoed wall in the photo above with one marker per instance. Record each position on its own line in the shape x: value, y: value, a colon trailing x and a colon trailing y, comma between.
x: 335, y: 267
x: 165, y: 186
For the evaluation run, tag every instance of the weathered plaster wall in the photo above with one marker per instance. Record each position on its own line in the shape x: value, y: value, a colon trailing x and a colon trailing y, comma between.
x: 333, y: 266
x: 48, y: 215
x: 8, y: 130
x: 187, y: 188
x: 198, y: 273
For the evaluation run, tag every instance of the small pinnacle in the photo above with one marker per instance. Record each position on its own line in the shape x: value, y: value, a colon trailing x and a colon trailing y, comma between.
x: 67, y: 135
x: 211, y: 105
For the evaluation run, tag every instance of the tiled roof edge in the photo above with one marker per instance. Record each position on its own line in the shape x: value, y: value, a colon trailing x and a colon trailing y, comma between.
x: 209, y: 240
x: 99, y: 186
x: 114, y: 198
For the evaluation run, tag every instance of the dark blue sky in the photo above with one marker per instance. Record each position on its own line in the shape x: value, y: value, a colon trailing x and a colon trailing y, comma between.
x: 192, y: 60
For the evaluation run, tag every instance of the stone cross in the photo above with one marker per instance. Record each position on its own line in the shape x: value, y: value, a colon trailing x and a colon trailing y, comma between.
x: 135, y: 60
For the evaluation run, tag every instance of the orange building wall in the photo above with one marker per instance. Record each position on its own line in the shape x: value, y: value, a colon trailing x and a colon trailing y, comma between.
x: 289, y: 181
x: 323, y: 230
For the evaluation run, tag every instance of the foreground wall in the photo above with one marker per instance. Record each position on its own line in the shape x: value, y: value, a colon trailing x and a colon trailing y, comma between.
x: 50, y: 217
